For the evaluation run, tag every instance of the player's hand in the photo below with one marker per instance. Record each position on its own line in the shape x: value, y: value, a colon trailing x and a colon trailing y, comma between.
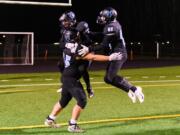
x: 115, y: 56
x: 72, y: 47
x: 83, y: 51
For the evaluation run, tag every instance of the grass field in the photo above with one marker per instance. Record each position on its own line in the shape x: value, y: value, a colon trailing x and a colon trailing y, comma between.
x: 26, y: 100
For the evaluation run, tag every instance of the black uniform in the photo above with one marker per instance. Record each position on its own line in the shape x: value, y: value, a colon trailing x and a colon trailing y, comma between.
x: 65, y: 34
x: 83, y: 29
x: 113, y: 41
x: 62, y: 42
x: 72, y: 87
x: 71, y: 75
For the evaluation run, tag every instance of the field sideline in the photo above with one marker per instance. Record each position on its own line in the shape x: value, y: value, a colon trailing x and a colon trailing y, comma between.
x: 28, y: 98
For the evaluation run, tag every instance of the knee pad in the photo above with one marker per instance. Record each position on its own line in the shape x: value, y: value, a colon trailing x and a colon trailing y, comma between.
x: 82, y: 103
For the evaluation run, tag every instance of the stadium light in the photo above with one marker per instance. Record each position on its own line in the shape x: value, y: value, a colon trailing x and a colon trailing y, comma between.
x: 56, y: 43
x: 157, y: 50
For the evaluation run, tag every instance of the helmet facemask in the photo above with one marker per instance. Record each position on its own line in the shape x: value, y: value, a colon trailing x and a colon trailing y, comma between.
x: 107, y: 15
x: 68, y: 19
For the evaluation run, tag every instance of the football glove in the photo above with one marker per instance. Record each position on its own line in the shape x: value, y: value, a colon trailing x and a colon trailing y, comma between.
x: 83, y: 51
x: 115, y: 56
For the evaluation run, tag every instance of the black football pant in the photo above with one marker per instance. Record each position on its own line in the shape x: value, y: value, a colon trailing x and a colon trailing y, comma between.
x: 112, y: 77
x: 73, y: 88
x: 83, y: 68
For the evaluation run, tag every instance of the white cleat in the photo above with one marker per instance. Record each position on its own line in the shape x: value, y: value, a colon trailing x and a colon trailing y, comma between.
x: 139, y: 94
x: 132, y: 96
x: 59, y: 90
x: 91, y: 94
x: 51, y: 123
x: 74, y: 128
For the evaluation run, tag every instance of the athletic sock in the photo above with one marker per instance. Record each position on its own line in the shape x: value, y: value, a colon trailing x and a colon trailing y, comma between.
x: 133, y: 88
x: 72, y: 121
x: 52, y: 117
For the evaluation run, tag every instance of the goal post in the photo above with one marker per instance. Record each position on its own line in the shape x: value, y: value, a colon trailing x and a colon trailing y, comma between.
x: 16, y: 48
x: 39, y: 2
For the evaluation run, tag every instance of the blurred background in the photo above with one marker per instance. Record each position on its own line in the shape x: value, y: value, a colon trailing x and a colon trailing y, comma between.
x: 151, y: 28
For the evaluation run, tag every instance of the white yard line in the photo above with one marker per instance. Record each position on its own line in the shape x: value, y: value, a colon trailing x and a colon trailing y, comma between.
x: 127, y: 77
x: 162, y: 76
x: 4, y: 80
x: 145, y: 77
x: 27, y: 79
x: 48, y: 79
x: 52, y: 84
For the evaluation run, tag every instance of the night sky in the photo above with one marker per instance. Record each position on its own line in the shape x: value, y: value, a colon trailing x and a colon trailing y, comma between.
x: 140, y: 19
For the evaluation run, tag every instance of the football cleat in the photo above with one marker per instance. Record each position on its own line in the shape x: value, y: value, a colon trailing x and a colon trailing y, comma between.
x: 132, y: 96
x: 139, y: 94
x: 74, y: 128
x: 91, y: 93
x: 59, y: 90
x: 51, y: 123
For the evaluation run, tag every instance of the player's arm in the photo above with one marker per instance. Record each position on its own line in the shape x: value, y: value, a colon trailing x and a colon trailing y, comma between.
x: 91, y: 56
x: 72, y: 49
x: 96, y: 57
x: 109, y: 34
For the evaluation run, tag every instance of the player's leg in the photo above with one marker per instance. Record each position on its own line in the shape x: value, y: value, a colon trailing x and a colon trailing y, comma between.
x: 133, y: 91
x: 50, y: 120
x: 58, y: 107
x: 80, y: 96
x: 84, y: 69
x: 88, y: 85
x: 112, y: 78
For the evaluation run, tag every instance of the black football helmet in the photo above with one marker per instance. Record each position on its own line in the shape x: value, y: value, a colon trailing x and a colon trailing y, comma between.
x: 82, y: 27
x: 107, y: 15
x: 71, y: 35
x: 68, y: 19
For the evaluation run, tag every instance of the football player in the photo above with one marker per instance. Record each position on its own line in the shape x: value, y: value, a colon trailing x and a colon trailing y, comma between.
x: 68, y: 23
x: 72, y: 87
x: 113, y: 41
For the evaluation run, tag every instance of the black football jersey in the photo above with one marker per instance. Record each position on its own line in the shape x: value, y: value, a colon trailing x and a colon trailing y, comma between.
x: 113, y: 38
x: 72, y: 62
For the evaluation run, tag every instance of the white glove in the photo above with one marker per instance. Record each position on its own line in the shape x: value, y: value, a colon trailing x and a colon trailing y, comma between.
x: 83, y: 51
x: 115, y: 56
x: 72, y: 47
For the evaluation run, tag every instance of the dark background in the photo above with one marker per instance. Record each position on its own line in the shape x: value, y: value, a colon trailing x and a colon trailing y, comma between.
x: 142, y: 20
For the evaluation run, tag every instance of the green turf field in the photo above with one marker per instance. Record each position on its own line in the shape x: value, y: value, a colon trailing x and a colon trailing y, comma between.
x: 26, y: 100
